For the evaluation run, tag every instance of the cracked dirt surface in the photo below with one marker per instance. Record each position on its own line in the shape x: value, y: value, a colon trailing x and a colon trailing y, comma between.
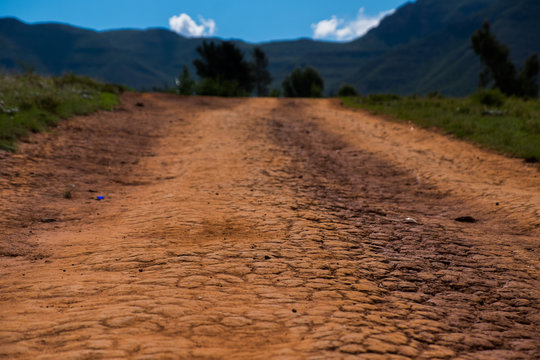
x: 264, y: 229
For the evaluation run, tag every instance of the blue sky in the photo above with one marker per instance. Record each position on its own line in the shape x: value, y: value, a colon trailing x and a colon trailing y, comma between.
x: 254, y: 21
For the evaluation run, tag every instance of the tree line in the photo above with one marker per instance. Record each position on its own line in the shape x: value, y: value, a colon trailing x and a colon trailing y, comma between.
x: 224, y: 71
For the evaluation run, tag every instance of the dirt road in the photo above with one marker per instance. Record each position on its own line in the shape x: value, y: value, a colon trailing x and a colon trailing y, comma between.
x: 264, y: 229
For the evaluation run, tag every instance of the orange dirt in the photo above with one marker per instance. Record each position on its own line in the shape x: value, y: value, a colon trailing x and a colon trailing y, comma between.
x: 264, y: 229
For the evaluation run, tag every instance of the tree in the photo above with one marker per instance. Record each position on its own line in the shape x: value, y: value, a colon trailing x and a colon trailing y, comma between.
x: 261, y: 75
x: 224, y: 65
x: 185, y: 85
x: 303, y: 83
x: 499, y: 70
x: 528, y: 77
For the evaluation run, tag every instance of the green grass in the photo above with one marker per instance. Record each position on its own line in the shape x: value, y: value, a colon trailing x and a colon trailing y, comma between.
x: 512, y: 128
x: 32, y: 103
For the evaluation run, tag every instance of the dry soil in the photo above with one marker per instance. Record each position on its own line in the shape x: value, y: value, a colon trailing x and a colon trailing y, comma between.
x: 264, y: 229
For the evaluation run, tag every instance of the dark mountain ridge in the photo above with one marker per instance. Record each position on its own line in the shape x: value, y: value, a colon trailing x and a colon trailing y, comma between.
x: 423, y: 47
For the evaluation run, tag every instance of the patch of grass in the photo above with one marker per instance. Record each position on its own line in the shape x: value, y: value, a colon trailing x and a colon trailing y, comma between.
x: 508, y: 125
x: 32, y: 103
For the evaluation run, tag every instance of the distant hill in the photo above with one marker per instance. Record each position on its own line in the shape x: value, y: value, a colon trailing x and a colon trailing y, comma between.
x: 434, y: 51
x: 423, y: 47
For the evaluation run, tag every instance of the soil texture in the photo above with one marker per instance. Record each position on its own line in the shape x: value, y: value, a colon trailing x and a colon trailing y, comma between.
x: 264, y: 229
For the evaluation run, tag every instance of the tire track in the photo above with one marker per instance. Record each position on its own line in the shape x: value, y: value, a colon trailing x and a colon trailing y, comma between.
x: 249, y: 230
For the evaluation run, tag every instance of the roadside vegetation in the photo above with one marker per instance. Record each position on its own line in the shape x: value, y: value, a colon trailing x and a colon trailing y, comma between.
x: 32, y: 103
x: 224, y: 71
x: 499, y: 71
x: 503, y: 115
x: 303, y: 83
x: 508, y: 125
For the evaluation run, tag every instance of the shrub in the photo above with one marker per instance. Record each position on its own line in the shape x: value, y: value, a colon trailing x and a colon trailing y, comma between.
x: 303, y: 83
x: 347, y: 90
x: 185, y: 85
x: 112, y: 88
x: 275, y: 93
x: 491, y: 97
x: 435, y: 95
x: 382, y: 98
x: 48, y: 103
x: 213, y: 87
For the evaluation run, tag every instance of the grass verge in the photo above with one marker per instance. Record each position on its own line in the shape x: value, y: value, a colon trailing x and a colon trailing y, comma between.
x: 508, y: 125
x: 32, y: 103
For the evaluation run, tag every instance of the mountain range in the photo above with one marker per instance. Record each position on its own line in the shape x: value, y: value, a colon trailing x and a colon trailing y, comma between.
x: 424, y: 46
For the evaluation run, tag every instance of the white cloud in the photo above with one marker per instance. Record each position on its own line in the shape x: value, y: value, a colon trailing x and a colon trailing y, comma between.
x: 338, y: 29
x: 184, y: 25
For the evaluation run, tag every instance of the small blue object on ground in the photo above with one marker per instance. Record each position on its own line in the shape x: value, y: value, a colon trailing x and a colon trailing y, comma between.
x: 100, y: 197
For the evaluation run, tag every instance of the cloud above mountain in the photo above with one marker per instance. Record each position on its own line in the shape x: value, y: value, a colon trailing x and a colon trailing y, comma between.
x: 184, y: 25
x: 341, y: 30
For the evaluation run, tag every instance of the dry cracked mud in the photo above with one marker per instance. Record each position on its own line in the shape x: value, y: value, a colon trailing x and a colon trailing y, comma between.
x: 264, y: 229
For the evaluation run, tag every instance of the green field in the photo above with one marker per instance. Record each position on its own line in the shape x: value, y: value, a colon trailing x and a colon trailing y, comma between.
x: 32, y: 103
x: 511, y: 127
